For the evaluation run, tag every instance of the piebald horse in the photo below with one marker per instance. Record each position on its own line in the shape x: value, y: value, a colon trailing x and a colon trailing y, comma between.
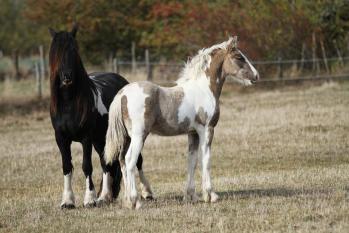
x: 79, y: 112
x: 191, y: 107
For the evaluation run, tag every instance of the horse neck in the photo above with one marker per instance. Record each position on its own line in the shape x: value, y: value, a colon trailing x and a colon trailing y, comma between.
x: 209, y: 80
x: 214, y: 75
x: 199, y: 82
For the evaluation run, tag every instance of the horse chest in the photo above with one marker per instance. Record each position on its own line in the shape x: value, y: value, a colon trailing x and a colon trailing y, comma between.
x: 68, y: 124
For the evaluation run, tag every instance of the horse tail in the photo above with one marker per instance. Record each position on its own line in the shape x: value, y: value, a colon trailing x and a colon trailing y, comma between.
x: 116, y: 133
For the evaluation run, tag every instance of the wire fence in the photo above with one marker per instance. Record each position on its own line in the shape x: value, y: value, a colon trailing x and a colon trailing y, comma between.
x: 163, y: 72
x: 274, y: 70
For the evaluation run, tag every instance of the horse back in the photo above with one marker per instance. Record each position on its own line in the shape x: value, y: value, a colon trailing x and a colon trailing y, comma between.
x: 108, y: 85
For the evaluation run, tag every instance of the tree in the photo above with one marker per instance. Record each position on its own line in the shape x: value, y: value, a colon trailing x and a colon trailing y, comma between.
x: 106, y: 27
x: 16, y: 34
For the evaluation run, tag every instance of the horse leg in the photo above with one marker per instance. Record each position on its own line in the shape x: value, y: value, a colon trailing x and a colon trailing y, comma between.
x: 68, y: 199
x: 131, y: 158
x: 205, y: 143
x: 122, y: 162
x: 111, y: 178
x: 147, y: 194
x: 193, y: 146
x: 145, y: 187
x: 90, y: 193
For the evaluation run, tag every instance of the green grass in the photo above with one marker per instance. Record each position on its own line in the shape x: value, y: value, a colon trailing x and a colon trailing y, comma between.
x: 280, y: 164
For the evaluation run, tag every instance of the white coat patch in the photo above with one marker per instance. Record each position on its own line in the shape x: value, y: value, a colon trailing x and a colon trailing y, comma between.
x: 196, y: 94
x: 99, y: 104
x: 68, y: 195
x: 135, y: 104
x: 255, y: 72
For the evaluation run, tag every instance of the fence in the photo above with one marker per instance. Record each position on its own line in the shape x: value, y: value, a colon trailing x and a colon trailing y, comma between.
x: 269, y: 70
x: 165, y: 73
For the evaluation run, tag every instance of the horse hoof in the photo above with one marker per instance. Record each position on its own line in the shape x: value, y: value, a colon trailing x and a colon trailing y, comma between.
x: 210, y: 197
x: 190, y: 198
x: 148, y: 197
x: 90, y: 204
x: 133, y: 204
x: 214, y: 197
x: 138, y: 205
x: 67, y: 206
x: 102, y: 202
x: 129, y: 205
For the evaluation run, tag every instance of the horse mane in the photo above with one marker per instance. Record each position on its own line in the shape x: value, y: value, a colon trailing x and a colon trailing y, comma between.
x: 84, y: 101
x: 196, y: 67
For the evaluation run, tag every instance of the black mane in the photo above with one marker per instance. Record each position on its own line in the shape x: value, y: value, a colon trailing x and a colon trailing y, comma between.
x: 83, y: 88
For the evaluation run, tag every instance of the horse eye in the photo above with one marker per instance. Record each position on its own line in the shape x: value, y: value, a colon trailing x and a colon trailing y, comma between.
x: 239, y: 57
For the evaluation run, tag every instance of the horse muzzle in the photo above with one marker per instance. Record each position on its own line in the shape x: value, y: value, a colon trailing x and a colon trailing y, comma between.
x: 67, y: 82
x: 255, y: 79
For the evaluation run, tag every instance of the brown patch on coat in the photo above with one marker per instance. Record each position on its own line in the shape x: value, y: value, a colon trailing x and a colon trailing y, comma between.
x: 161, y: 110
x: 220, y: 66
x: 216, y: 76
x: 124, y: 109
x: 214, y: 120
x: 201, y: 116
x: 167, y: 123
x: 214, y: 72
x: 210, y: 135
x: 193, y: 142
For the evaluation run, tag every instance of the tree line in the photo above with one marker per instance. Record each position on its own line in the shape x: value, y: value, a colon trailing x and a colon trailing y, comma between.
x: 267, y: 29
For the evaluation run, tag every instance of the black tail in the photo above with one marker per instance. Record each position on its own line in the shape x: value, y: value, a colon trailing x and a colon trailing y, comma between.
x: 116, y: 174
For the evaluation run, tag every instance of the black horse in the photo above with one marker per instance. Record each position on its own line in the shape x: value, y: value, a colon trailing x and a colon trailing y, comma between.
x: 79, y: 112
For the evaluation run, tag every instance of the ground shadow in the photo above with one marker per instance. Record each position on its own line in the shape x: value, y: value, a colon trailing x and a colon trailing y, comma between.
x: 272, y: 192
x: 174, y: 198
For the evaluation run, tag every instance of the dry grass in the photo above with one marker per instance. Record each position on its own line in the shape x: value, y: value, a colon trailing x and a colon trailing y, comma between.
x: 280, y: 164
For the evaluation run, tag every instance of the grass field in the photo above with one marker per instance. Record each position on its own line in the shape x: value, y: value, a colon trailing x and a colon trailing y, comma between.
x: 280, y: 164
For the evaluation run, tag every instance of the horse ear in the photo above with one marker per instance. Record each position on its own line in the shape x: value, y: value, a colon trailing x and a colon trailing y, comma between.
x: 52, y: 32
x: 74, y: 30
x: 235, y: 41
x: 233, y: 44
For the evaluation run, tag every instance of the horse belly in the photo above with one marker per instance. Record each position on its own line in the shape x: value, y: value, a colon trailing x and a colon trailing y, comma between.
x: 165, y: 127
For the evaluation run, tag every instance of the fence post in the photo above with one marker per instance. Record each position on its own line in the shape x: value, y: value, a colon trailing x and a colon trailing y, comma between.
x: 42, y: 61
x: 302, y: 59
x: 133, y: 51
x: 148, y: 66
x: 316, y: 65
x: 280, y: 73
x: 324, y: 55
x: 340, y: 58
x: 38, y: 79
x: 110, y: 62
x: 314, y: 50
x: 115, y: 66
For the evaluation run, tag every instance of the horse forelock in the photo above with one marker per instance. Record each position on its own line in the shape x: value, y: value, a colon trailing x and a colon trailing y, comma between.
x: 196, y: 67
x: 57, y: 49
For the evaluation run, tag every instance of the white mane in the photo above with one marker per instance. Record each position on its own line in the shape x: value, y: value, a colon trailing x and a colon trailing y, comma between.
x: 197, y: 66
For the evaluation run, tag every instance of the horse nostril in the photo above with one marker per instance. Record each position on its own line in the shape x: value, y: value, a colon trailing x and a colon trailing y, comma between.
x: 67, y: 81
x: 255, y: 78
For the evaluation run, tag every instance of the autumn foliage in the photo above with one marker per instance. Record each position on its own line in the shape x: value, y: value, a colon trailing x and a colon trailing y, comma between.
x: 177, y: 29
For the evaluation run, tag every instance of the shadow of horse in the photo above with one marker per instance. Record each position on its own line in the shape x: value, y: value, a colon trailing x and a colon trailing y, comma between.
x: 175, y: 199
x: 272, y: 192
